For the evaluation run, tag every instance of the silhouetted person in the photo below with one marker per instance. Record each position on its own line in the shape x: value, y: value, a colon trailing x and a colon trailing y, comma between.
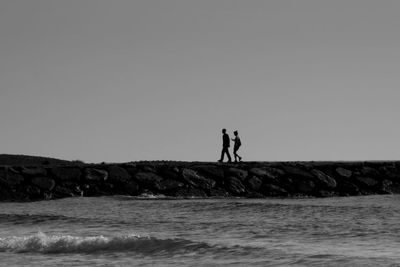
x: 236, y: 146
x: 225, y: 146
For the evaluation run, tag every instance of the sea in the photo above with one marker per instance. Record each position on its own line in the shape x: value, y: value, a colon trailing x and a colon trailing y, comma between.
x: 156, y: 231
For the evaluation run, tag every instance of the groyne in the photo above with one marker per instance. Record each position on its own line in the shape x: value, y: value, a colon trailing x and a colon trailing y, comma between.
x: 200, y: 179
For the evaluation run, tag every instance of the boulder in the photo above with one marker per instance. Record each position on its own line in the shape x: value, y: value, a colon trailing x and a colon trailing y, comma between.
x: 118, y: 174
x: 35, y: 171
x: 260, y: 172
x: 44, y: 183
x: 210, y: 171
x: 154, y: 181
x: 95, y: 175
x: 297, y: 172
x: 11, y: 179
x: 255, y: 183
x: 323, y: 193
x: 150, y: 179
x: 170, y: 172
x: 235, y: 186
x: 370, y: 172
x: 131, y: 188
x: 270, y: 174
x: 344, y: 172
x: 131, y: 168
x: 169, y: 184
x: 324, y: 179
x: 367, y: 182
x: 218, y: 192
x: 194, y: 178
x: 66, y: 190
x: 190, y: 193
x: 238, y: 173
x: 32, y: 192
x: 391, y: 172
x: 305, y: 186
x: 273, y: 190
x: 388, y: 187
x: 67, y: 173
x: 347, y: 188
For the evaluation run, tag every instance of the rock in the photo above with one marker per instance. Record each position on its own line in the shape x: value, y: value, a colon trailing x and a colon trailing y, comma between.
x: 195, y: 179
x: 347, y: 188
x: 255, y: 183
x: 67, y: 173
x: 305, y: 186
x: 169, y: 184
x: 238, y: 173
x: 170, y: 172
x: 210, y: 171
x: 150, y: 179
x: 66, y: 190
x: 367, y: 182
x: 154, y: 181
x: 235, y: 186
x: 5, y: 193
x: 95, y: 175
x: 32, y: 192
x: 218, y: 192
x: 297, y: 172
x: 132, y: 188
x: 386, y: 186
x: 131, y: 168
x: 190, y: 193
x: 391, y: 172
x: 324, y: 179
x: 11, y: 179
x: 36, y: 171
x: 44, y: 183
x: 118, y: 174
x: 343, y: 172
x: 370, y: 172
x: 324, y: 193
x: 273, y: 190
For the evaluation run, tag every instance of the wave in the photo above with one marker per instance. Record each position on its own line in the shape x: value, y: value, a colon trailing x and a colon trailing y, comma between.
x: 42, y: 243
x: 37, y: 218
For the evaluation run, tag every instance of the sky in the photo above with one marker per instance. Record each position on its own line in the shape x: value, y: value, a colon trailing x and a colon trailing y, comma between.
x: 124, y: 80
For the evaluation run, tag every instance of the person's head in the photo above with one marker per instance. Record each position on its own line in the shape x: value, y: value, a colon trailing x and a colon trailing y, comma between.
x: 235, y: 133
x: 223, y: 131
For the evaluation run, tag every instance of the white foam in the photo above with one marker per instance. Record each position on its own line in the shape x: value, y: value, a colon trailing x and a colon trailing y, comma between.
x: 66, y: 243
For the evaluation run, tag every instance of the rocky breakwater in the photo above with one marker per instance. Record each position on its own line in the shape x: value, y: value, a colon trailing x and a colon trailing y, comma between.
x: 196, y: 179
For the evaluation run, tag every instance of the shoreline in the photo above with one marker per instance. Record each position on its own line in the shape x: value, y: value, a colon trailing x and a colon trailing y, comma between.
x: 185, y: 180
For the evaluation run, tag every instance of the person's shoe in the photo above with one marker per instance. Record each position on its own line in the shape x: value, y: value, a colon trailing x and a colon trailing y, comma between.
x: 240, y: 158
x: 220, y: 160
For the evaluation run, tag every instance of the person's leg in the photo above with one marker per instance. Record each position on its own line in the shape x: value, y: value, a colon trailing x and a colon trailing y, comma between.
x: 240, y: 158
x: 229, y: 155
x: 235, y: 155
x: 222, y: 155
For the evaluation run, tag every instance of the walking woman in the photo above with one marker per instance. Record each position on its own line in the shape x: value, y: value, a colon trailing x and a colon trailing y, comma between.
x: 236, y: 146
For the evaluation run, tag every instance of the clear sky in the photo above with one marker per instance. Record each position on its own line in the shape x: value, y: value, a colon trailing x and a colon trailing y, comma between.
x: 125, y: 80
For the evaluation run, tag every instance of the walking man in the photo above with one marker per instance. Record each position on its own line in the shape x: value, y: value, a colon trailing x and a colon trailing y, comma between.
x: 237, y: 144
x: 225, y: 146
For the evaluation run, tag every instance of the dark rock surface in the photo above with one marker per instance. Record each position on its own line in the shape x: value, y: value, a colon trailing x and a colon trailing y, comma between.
x: 200, y: 179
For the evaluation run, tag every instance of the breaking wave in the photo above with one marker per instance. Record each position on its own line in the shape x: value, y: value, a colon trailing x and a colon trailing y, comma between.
x: 37, y: 218
x: 42, y: 243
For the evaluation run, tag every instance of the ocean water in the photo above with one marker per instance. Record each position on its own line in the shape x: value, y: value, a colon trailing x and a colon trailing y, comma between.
x: 124, y: 231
